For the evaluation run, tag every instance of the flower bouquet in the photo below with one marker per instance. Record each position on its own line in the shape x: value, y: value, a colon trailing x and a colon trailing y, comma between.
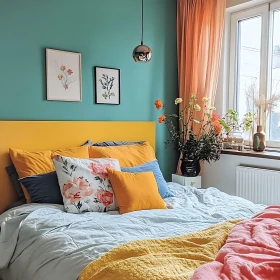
x: 196, y: 138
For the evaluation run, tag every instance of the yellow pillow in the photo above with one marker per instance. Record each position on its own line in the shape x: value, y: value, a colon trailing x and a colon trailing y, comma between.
x: 135, y: 191
x: 33, y: 163
x: 128, y: 155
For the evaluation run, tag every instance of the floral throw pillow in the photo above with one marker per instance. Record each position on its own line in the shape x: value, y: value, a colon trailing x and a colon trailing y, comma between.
x: 85, y: 185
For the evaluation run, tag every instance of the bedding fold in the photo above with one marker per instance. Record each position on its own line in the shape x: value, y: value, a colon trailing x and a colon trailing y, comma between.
x: 173, y: 258
x: 252, y: 251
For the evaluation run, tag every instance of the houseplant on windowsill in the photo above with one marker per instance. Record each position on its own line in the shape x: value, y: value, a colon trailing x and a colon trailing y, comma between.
x: 233, y: 128
x: 196, y: 139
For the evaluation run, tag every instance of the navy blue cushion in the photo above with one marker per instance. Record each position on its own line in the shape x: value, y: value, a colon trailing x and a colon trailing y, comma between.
x: 43, y: 188
x: 11, y: 170
x: 154, y: 167
x: 111, y: 143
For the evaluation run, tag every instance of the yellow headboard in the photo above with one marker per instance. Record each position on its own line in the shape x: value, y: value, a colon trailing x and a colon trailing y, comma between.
x: 48, y: 135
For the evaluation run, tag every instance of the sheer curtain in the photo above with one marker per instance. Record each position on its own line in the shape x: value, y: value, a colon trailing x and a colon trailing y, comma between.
x: 200, y: 27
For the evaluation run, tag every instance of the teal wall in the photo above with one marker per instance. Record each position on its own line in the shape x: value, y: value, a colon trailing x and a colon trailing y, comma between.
x: 105, y: 32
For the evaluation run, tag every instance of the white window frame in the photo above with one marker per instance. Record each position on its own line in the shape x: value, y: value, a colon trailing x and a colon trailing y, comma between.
x: 273, y: 6
x: 266, y: 11
x: 235, y: 18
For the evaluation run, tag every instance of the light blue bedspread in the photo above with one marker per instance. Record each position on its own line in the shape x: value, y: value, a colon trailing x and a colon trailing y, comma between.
x: 42, y: 242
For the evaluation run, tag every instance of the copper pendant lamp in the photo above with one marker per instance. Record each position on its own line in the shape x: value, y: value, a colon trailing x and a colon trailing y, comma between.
x: 142, y: 53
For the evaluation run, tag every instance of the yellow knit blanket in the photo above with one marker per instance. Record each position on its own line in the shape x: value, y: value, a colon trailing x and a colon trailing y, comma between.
x: 173, y: 258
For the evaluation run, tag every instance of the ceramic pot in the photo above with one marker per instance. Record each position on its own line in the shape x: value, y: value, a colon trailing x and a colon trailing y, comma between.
x: 190, y: 168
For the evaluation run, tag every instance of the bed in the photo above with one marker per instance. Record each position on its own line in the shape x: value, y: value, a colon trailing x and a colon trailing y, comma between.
x: 42, y: 241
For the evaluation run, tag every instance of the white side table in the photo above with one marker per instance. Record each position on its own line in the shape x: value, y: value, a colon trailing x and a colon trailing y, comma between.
x: 187, y: 181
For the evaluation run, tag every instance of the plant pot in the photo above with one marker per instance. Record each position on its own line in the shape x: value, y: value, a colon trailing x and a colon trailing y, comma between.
x: 190, y: 168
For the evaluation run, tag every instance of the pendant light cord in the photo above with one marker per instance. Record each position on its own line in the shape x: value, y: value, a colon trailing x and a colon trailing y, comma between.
x: 142, y: 22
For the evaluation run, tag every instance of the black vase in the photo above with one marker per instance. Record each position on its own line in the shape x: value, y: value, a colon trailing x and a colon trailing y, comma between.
x: 190, y: 167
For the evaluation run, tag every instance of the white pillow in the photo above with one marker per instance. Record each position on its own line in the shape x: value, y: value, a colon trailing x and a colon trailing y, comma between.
x: 85, y: 185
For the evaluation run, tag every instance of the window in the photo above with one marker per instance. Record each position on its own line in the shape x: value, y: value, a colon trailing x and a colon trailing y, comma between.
x: 255, y: 64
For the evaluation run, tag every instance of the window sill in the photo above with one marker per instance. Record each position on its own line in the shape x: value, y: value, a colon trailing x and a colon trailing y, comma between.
x: 269, y: 153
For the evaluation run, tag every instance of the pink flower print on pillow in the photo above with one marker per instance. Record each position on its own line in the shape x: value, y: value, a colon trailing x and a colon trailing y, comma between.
x: 99, y: 169
x: 105, y: 197
x: 77, y: 189
x: 70, y: 72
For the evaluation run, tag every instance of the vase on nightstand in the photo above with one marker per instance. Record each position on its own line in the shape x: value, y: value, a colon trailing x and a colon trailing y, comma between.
x: 190, y: 167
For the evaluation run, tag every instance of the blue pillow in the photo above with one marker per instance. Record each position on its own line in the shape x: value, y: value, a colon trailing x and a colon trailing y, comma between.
x: 43, y: 188
x: 154, y: 167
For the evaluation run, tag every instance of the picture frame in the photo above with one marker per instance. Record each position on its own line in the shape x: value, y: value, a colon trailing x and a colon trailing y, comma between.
x: 63, y: 75
x: 107, y: 85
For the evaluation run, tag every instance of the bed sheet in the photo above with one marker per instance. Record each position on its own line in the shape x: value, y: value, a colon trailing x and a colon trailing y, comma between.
x: 44, y: 242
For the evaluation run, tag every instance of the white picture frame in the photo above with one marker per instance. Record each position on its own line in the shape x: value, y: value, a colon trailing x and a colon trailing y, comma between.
x: 107, y: 85
x: 63, y: 75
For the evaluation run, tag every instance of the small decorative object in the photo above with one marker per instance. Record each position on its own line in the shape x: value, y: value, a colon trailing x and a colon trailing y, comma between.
x: 264, y: 104
x: 194, y: 147
x: 240, y: 147
x: 107, y: 85
x: 64, y: 82
x: 233, y: 128
x: 142, y: 53
x: 259, y: 140
x: 234, y: 146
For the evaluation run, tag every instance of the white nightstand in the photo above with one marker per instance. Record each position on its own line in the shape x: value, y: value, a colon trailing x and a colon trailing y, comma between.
x: 187, y: 181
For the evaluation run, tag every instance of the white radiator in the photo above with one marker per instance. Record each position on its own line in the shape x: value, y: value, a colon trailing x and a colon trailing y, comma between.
x: 258, y: 185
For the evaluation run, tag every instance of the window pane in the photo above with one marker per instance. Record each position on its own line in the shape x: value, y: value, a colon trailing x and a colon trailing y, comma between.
x: 275, y: 79
x: 248, y: 63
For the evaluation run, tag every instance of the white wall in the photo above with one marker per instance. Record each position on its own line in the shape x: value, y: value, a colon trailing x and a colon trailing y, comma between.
x: 221, y: 174
x: 245, y: 3
x: 231, y: 3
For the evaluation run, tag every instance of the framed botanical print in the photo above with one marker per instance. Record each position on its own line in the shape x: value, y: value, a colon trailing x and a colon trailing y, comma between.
x: 64, y: 78
x: 107, y: 85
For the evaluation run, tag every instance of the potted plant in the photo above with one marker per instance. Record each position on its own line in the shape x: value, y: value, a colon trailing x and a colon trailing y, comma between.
x: 196, y: 139
x: 233, y: 128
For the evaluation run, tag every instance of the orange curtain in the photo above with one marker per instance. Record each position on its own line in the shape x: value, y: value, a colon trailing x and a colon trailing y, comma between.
x: 200, y: 26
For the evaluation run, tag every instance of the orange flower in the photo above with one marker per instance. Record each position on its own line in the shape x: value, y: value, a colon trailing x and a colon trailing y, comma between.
x: 158, y: 104
x: 215, y: 117
x: 69, y: 71
x: 161, y: 119
x: 65, y: 86
x: 60, y: 77
x: 62, y: 67
x: 217, y: 126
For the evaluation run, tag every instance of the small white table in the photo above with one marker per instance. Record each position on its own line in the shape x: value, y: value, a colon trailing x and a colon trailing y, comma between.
x: 187, y: 181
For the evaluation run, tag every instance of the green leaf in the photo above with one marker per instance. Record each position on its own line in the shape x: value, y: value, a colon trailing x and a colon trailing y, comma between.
x: 174, y: 115
x: 224, y: 125
x: 232, y: 112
